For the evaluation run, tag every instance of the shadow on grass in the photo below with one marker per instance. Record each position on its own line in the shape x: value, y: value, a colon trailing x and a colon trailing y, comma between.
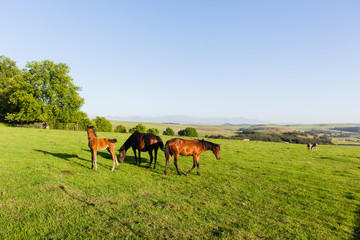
x: 145, y: 164
x: 357, y: 225
x: 68, y: 157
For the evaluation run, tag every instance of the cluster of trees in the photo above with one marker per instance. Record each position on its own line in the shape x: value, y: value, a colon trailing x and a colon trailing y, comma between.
x: 189, y: 132
x: 291, y: 137
x: 42, y: 92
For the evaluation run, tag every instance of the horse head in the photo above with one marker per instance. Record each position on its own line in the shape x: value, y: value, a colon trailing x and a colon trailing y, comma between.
x: 216, y: 151
x: 122, y: 154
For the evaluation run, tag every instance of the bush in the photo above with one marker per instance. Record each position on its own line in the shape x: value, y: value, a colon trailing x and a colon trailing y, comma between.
x: 102, y: 124
x: 138, y: 128
x: 189, y: 132
x: 169, y: 132
x: 120, y: 129
x: 153, y: 131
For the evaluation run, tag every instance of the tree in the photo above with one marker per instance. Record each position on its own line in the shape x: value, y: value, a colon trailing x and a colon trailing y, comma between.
x: 189, y: 132
x: 24, y: 107
x: 10, y: 74
x: 153, y: 131
x: 102, y: 124
x: 120, y: 129
x: 138, y: 128
x: 54, y: 91
x: 82, y: 121
x: 169, y: 132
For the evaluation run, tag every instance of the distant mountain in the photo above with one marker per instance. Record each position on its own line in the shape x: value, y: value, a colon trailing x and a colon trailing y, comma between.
x: 188, y: 120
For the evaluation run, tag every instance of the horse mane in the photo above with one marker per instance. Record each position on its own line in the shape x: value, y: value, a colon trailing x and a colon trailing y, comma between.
x: 93, y: 130
x: 207, y: 145
x: 128, y: 142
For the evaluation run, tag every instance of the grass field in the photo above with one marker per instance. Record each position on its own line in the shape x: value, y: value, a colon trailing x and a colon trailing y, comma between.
x: 256, y: 191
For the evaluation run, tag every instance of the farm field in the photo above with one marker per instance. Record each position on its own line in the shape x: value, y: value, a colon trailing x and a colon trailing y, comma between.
x: 256, y: 191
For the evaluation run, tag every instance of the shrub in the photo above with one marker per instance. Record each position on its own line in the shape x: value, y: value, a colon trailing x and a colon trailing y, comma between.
x: 189, y: 132
x: 138, y: 128
x: 120, y: 129
x: 153, y: 131
x: 169, y: 132
x: 102, y: 124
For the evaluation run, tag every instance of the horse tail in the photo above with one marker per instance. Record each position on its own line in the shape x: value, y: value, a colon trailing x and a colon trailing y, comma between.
x: 161, y: 144
x: 167, y: 151
x: 112, y: 140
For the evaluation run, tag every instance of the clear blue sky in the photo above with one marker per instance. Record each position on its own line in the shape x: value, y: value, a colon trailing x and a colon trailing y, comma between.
x: 276, y: 61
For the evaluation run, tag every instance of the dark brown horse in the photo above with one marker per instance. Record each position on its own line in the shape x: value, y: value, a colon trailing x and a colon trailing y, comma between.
x: 143, y: 142
x: 96, y: 144
x: 195, y: 148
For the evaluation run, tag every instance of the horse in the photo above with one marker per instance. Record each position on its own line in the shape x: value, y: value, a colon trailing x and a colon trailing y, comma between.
x: 315, y: 145
x: 312, y: 146
x: 96, y: 144
x: 309, y: 146
x: 195, y: 148
x: 142, y: 142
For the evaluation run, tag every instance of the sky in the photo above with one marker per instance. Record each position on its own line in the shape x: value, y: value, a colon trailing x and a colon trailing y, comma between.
x: 276, y: 61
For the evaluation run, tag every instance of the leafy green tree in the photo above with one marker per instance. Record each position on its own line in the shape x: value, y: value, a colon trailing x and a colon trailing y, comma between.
x: 169, y: 132
x: 189, y: 132
x: 24, y: 107
x: 102, y: 124
x: 10, y: 74
x: 120, y: 129
x: 54, y: 91
x: 153, y: 131
x: 138, y: 128
x: 82, y: 120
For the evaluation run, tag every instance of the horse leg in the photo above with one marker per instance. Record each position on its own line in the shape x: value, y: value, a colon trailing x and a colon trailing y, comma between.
x: 92, y: 159
x: 176, y: 157
x: 139, y: 157
x: 198, y: 165
x: 167, y: 163
x: 155, y: 150
x: 135, y: 155
x: 114, y: 159
x: 151, y: 158
x: 192, y: 166
x: 95, y: 156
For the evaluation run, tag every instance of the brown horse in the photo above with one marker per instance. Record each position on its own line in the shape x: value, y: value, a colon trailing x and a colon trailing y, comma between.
x: 142, y: 142
x: 195, y: 148
x: 96, y: 144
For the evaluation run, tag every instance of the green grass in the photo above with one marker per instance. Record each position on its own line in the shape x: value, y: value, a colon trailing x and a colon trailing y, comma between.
x: 257, y: 190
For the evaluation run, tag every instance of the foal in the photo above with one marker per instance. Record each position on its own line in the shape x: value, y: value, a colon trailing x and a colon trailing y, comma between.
x: 96, y: 144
